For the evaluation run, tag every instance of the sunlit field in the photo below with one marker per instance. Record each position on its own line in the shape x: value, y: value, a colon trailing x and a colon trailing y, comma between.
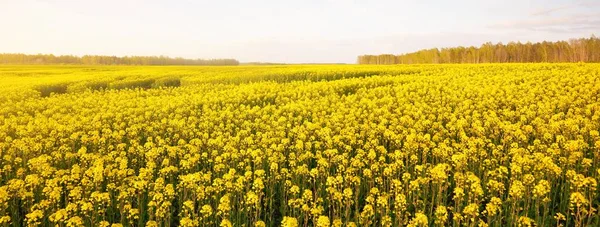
x: 314, y: 145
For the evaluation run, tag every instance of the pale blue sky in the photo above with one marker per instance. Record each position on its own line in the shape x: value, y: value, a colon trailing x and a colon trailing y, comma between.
x: 307, y: 31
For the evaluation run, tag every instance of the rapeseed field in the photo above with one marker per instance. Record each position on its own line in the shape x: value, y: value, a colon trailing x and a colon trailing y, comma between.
x: 300, y: 145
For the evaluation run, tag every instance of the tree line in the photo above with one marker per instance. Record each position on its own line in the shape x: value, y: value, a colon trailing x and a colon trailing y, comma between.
x: 48, y: 59
x: 574, y: 50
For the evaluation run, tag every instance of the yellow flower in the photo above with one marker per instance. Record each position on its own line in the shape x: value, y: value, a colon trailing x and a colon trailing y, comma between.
x: 75, y: 221
x: 472, y: 211
x: 337, y: 222
x: 323, y: 221
x: 526, y: 221
x: 224, y: 206
x: 420, y: 219
x: 294, y: 190
x: 252, y: 199
x: 541, y: 189
x: 225, y: 223
x: 59, y: 216
x: 517, y: 190
x: 578, y: 200
x: 441, y: 215
x: 366, y: 215
x: 186, y: 221
x: 5, y: 220
x: 494, y: 206
x: 260, y: 224
x: 439, y: 173
x: 289, y: 222
x: 150, y: 224
x: 206, y: 211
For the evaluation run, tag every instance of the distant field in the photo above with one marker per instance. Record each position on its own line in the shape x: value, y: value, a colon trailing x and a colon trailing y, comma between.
x: 312, y: 145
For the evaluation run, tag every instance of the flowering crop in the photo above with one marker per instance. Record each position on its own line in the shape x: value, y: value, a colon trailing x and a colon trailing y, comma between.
x: 418, y: 145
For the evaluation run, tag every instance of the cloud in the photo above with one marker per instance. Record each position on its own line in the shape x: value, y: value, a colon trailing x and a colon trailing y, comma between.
x: 556, y: 24
x: 544, y: 12
x: 579, y: 17
x: 575, y: 6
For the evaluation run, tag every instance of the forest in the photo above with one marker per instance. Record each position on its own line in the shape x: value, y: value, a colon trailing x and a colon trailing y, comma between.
x: 574, y: 50
x: 50, y: 59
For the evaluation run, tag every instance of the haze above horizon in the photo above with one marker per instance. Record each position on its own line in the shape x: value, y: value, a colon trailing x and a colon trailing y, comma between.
x: 309, y: 31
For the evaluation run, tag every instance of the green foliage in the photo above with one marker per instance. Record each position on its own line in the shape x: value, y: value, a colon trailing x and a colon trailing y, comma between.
x: 132, y: 84
x: 48, y: 89
x: 168, y: 82
x: 95, y: 85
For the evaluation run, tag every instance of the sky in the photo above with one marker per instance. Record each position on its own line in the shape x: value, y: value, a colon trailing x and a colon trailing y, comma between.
x: 283, y: 31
